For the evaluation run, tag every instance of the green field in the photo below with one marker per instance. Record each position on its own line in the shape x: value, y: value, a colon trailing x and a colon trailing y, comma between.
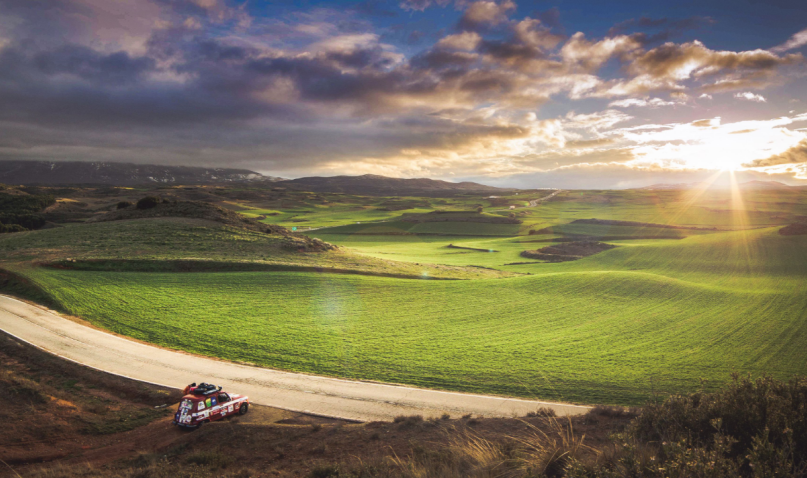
x: 654, y: 315
x: 611, y: 328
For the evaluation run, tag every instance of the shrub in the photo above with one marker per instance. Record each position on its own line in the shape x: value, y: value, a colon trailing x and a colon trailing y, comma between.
x: 408, y: 421
x: 11, y: 228
x: 542, y: 412
x: 746, y: 410
x: 23, y: 210
x: 479, y: 209
x: 613, y: 412
x: 148, y: 202
x: 753, y: 428
x: 124, y: 204
x: 20, y: 388
x: 324, y: 471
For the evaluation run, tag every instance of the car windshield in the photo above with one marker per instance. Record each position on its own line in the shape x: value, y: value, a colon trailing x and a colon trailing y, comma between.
x: 186, y: 404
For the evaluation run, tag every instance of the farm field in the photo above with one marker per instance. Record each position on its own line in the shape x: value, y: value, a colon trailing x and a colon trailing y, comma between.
x: 613, y: 328
x: 718, y: 291
x: 721, y: 209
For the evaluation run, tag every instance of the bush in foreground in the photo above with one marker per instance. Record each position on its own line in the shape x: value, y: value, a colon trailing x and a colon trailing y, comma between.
x: 753, y: 428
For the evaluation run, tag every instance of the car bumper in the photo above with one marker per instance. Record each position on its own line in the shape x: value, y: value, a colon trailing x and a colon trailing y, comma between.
x: 184, y: 425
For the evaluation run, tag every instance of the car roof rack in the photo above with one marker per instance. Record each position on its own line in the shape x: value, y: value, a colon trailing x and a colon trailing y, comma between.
x: 205, y: 389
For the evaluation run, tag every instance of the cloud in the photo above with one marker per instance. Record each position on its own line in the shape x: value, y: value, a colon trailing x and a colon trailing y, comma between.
x: 747, y: 95
x: 417, y: 5
x: 421, y: 5
x: 687, y: 60
x: 461, y: 41
x: 590, y: 143
x: 619, y: 175
x: 669, y: 65
x: 550, y: 18
x: 595, y: 121
x: 710, y: 143
x: 484, y: 14
x: 646, y: 102
x: 798, y: 40
x: 324, y: 90
x: 78, y: 63
x: 708, y: 123
x: 589, y: 56
x: 531, y: 32
x: 795, y: 155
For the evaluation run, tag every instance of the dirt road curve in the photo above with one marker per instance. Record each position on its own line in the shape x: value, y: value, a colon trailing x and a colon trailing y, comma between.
x: 331, y: 397
x: 535, y: 202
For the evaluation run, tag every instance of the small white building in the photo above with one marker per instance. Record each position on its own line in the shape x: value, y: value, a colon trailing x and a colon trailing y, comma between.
x: 512, y: 207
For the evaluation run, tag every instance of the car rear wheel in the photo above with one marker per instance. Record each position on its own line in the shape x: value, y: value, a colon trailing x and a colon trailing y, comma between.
x: 243, y: 409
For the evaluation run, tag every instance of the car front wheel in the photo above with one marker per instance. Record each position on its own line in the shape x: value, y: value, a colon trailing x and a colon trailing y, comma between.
x: 243, y: 409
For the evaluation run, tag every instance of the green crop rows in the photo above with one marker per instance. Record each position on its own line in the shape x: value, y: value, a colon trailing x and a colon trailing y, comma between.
x: 664, y: 309
x: 645, y: 317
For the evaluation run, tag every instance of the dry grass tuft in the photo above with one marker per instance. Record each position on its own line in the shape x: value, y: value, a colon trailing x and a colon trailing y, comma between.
x: 465, y: 454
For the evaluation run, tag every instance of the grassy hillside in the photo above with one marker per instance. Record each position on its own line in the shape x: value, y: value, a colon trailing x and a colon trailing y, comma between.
x: 163, y: 239
x: 664, y: 308
x: 711, y: 209
x: 616, y: 327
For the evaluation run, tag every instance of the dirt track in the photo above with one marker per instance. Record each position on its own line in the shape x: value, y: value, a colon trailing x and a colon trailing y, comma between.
x: 536, y: 202
x: 364, y: 401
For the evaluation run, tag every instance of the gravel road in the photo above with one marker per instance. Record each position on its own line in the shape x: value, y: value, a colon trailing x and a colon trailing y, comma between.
x: 354, y: 400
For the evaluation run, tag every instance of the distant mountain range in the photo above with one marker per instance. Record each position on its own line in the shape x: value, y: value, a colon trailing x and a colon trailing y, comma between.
x: 749, y: 185
x: 51, y: 173
x: 373, y: 185
x: 66, y: 173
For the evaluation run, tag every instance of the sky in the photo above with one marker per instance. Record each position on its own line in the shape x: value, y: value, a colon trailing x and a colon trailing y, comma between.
x: 586, y: 94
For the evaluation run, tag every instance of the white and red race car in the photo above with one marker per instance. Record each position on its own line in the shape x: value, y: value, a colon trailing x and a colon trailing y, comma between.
x: 206, y: 403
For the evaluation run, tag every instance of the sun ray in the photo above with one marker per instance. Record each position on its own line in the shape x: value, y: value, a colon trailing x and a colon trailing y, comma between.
x: 693, y: 196
x: 739, y: 218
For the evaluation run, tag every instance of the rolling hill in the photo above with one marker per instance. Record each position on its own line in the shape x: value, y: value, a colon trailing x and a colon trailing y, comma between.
x: 374, y: 185
x: 117, y: 174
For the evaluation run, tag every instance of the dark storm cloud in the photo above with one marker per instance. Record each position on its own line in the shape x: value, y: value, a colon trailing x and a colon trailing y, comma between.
x: 76, y: 85
x: 85, y: 63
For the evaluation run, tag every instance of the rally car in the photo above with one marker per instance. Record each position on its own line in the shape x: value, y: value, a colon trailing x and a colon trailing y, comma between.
x: 205, y: 403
